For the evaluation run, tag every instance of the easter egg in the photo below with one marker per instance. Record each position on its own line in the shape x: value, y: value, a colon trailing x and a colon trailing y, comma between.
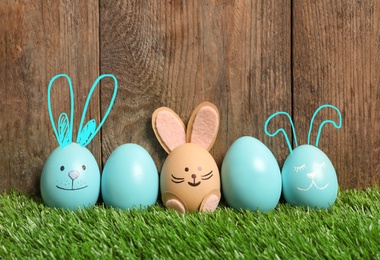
x: 130, y: 178
x: 190, y: 174
x: 70, y: 178
x: 309, y: 178
x: 251, y: 177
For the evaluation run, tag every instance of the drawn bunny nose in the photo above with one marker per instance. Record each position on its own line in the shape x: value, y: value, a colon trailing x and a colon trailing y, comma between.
x: 311, y: 175
x: 73, y: 175
x: 193, y: 176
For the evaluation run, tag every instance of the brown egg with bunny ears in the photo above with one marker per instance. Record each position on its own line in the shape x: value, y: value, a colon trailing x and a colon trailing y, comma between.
x: 189, y: 177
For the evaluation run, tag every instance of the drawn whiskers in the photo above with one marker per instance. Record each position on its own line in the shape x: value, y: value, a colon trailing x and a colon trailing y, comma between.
x: 207, y: 176
x: 177, y: 179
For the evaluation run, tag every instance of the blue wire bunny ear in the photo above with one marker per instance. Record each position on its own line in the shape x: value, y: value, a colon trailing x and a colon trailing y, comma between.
x: 88, y: 132
x: 64, y: 134
x: 323, y: 123
x: 282, y: 129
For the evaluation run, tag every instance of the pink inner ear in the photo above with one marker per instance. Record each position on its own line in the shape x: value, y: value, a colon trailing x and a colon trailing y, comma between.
x: 205, y: 127
x: 170, y: 129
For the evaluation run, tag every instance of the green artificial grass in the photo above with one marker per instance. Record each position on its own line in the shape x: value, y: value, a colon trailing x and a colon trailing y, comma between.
x: 350, y: 229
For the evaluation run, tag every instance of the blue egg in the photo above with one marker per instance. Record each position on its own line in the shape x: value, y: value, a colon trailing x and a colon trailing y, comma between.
x: 309, y: 178
x: 70, y: 178
x: 251, y: 177
x: 130, y: 178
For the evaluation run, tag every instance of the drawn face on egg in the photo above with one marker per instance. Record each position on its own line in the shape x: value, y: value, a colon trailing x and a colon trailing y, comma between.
x: 309, y: 168
x: 73, y: 182
x: 190, y: 166
x: 309, y: 178
x: 195, y: 175
x: 71, y: 173
x: 314, y: 172
x: 70, y: 178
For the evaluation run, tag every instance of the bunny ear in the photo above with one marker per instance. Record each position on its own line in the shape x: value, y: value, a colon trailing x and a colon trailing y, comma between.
x: 323, y: 123
x: 86, y: 134
x: 64, y: 134
x: 168, y: 128
x: 282, y: 129
x: 203, y: 125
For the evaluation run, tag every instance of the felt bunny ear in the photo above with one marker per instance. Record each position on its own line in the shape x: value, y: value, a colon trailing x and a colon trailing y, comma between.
x: 203, y: 125
x: 169, y: 128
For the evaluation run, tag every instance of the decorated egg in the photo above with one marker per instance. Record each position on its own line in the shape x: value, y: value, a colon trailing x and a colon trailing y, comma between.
x: 130, y: 178
x: 70, y: 178
x: 191, y: 171
x: 251, y: 177
x: 190, y: 177
x: 309, y: 178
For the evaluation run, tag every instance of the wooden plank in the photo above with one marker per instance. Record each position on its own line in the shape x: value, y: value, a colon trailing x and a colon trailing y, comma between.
x: 235, y: 54
x: 39, y: 39
x: 336, y: 59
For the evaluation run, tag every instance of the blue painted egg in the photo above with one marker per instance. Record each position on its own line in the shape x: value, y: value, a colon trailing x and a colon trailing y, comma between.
x: 251, y: 177
x: 130, y: 178
x: 309, y: 178
x: 70, y: 178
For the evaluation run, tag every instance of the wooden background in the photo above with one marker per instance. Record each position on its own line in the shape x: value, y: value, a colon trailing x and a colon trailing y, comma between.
x: 250, y: 58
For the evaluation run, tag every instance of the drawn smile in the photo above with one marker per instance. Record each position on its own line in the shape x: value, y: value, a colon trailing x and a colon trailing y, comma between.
x: 194, y: 184
x: 72, y: 189
x: 315, y: 185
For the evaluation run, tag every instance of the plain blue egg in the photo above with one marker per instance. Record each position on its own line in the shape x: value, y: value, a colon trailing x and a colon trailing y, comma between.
x: 251, y: 177
x: 130, y: 178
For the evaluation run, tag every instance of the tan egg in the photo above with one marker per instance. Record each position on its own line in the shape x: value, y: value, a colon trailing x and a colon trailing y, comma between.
x: 191, y: 175
x: 189, y: 178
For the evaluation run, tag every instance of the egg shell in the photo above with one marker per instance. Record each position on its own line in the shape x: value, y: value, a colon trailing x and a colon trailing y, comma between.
x: 309, y: 178
x: 130, y: 178
x: 60, y: 188
x: 251, y: 177
x: 184, y: 162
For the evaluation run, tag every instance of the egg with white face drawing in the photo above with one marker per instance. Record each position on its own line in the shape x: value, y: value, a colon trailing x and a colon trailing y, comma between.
x: 309, y: 178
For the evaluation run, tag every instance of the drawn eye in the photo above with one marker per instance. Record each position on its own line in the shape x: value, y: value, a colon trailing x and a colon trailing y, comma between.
x: 299, y: 168
x: 83, y: 167
x: 62, y: 168
x: 186, y: 169
x: 319, y: 166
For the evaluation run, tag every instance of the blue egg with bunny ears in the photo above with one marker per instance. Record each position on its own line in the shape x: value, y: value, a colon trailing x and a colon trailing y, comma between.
x: 71, y: 177
x: 308, y: 176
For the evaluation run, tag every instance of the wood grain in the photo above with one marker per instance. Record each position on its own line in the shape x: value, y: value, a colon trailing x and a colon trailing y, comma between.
x: 39, y: 39
x: 336, y: 60
x: 235, y: 54
x: 250, y: 58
